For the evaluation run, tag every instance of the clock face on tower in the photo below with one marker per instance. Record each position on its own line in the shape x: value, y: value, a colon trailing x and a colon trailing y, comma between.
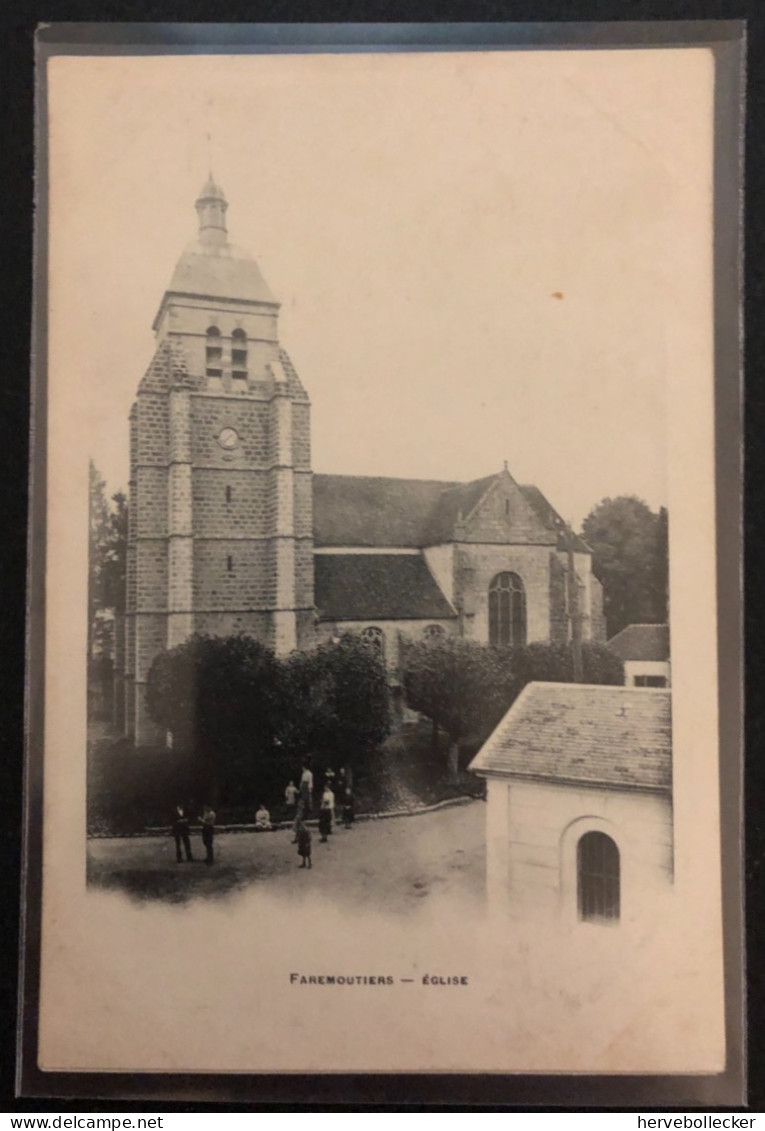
x: 228, y: 439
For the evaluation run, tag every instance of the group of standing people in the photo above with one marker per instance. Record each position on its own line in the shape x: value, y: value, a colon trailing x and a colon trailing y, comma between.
x: 301, y: 799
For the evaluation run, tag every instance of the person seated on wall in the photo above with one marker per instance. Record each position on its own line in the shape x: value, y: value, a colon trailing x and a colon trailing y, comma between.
x: 263, y: 819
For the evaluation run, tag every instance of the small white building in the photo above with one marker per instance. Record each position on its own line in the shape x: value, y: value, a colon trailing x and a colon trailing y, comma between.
x: 644, y: 648
x: 579, y: 813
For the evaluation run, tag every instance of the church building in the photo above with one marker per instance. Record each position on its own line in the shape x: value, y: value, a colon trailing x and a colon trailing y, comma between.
x: 232, y: 532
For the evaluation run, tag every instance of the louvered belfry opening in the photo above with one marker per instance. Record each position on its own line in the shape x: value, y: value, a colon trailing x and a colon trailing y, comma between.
x: 239, y: 355
x: 598, y: 887
x: 214, y: 354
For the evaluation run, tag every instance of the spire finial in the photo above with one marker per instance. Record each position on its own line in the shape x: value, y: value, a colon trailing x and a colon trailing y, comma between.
x: 211, y: 208
x: 505, y: 465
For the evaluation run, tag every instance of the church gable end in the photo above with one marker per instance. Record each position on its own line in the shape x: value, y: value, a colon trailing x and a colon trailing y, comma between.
x: 504, y: 515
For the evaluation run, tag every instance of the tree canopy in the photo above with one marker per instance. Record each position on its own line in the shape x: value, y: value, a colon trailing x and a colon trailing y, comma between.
x: 630, y: 558
x: 216, y: 693
x: 462, y: 686
x: 107, y: 554
x: 465, y: 687
x: 245, y: 716
x: 554, y: 663
x: 335, y: 702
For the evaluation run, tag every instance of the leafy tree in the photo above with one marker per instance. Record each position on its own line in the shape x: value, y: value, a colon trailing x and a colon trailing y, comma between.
x: 107, y: 552
x: 115, y: 562
x: 465, y: 687
x: 630, y: 557
x: 462, y: 686
x: 98, y: 541
x: 554, y: 663
x: 220, y: 699
x: 244, y: 717
x: 335, y: 703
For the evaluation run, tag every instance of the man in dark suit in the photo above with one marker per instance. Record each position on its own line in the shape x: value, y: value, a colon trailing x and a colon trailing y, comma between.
x: 181, y: 833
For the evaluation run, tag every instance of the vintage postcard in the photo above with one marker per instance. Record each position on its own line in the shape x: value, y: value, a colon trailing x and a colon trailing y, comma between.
x: 382, y: 637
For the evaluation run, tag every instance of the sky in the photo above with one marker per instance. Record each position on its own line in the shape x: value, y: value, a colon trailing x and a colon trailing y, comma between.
x: 480, y: 256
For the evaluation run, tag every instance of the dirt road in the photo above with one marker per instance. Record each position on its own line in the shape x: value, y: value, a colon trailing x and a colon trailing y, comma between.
x: 394, y: 863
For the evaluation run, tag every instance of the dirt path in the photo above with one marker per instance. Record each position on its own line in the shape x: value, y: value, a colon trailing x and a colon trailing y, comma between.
x: 394, y: 863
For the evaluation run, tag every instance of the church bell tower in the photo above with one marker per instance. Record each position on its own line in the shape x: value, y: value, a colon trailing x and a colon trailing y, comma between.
x: 220, y: 538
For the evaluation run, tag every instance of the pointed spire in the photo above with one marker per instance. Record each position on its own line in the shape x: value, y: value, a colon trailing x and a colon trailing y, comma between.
x: 211, y: 205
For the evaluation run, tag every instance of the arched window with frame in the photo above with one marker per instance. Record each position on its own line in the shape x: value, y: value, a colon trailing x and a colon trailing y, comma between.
x: 507, y: 610
x: 213, y: 355
x: 374, y: 638
x: 598, y: 881
x: 239, y: 355
x: 433, y: 633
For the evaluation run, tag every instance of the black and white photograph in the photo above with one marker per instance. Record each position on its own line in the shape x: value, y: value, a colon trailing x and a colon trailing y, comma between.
x: 381, y: 643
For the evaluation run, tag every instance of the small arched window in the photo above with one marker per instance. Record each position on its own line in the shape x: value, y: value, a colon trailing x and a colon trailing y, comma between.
x: 507, y: 610
x: 213, y: 355
x: 433, y: 633
x: 239, y: 355
x: 374, y: 638
x: 597, y: 878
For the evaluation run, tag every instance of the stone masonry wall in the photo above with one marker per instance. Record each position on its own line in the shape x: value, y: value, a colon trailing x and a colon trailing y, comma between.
x: 301, y: 435
x: 249, y: 583
x: 504, y: 515
x: 151, y: 575
x: 598, y: 619
x: 231, y: 502
x: 152, y: 417
x: 304, y: 598
x: 249, y: 417
x: 475, y: 568
x: 302, y: 484
x: 150, y: 502
x: 305, y: 628
x: 246, y: 623
x: 558, y: 618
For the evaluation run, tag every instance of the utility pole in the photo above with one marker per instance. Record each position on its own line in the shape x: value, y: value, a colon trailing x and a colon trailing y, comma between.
x: 574, y: 616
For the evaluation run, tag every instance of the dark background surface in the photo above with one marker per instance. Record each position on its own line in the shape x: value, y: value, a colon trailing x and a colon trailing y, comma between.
x: 16, y: 202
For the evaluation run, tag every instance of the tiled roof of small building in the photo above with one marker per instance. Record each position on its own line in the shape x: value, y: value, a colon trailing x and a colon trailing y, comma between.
x: 377, y: 587
x: 642, y: 642
x: 615, y: 737
x: 359, y: 510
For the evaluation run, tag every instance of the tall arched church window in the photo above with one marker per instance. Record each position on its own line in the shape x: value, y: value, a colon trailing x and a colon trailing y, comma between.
x: 374, y: 638
x: 213, y: 355
x: 239, y: 355
x: 433, y: 633
x: 507, y: 610
x: 597, y: 878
